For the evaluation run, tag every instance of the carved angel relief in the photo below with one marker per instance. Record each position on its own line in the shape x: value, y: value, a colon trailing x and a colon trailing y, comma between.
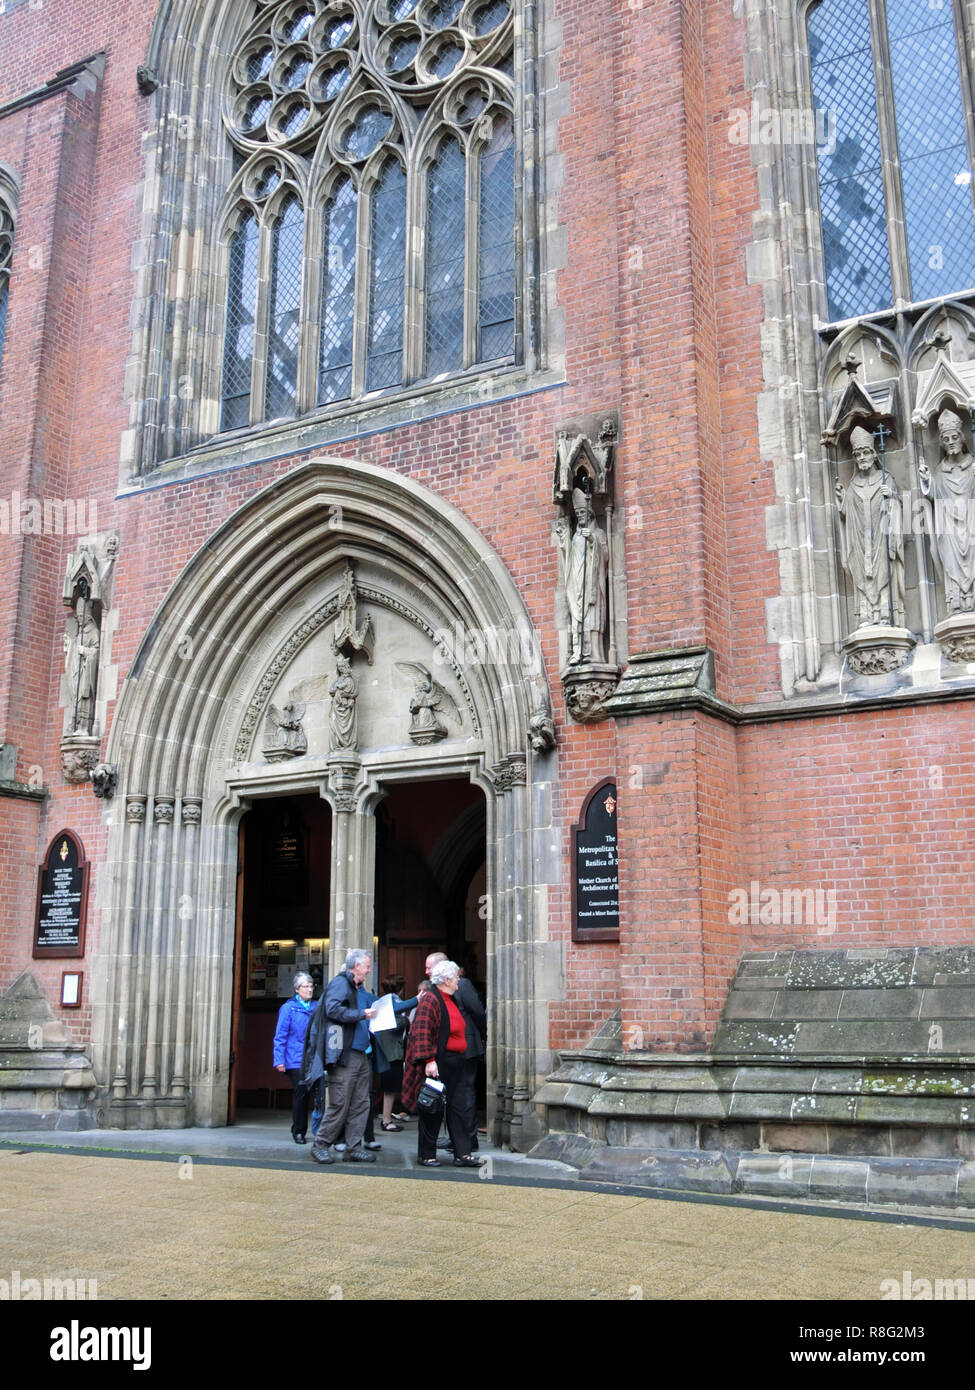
x: 429, y: 699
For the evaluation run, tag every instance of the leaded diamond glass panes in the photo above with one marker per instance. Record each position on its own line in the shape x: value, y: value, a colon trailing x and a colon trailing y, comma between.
x: 922, y: 144
x: 851, y: 189
x: 446, y: 207
x: 384, y: 353
x: 486, y: 18
x: 439, y: 13
x: 408, y: 279
x: 935, y: 170
x: 338, y: 295
x: 285, y: 312
x: 259, y: 63
x: 496, y: 243
x: 239, y: 342
x: 370, y: 128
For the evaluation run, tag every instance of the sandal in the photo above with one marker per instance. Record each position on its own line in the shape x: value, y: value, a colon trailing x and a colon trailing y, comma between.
x: 428, y: 1162
x: 392, y: 1128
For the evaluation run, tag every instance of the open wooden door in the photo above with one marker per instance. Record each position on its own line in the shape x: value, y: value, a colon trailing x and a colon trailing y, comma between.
x: 239, y: 966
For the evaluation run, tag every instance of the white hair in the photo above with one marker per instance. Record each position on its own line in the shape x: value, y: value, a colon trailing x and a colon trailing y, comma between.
x: 443, y: 971
x: 354, y: 957
x: 302, y: 979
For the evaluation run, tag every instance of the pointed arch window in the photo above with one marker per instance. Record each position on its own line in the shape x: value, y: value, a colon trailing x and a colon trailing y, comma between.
x: 896, y: 187
x: 372, y: 238
x: 6, y: 257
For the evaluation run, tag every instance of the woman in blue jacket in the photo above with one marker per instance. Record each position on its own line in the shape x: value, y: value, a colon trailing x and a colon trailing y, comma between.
x: 294, y: 1017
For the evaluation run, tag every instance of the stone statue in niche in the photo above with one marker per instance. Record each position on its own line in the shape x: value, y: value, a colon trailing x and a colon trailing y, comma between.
x: 872, y: 540
x: 82, y: 644
x: 428, y: 701
x: 951, y: 489
x: 584, y: 553
x: 344, y: 692
x: 283, y: 735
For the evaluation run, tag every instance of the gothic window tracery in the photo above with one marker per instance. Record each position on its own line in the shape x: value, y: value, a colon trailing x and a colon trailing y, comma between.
x: 895, y: 174
x: 369, y: 230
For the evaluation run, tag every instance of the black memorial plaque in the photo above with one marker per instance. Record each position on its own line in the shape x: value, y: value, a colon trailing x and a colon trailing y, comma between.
x: 62, y: 899
x: 595, y: 881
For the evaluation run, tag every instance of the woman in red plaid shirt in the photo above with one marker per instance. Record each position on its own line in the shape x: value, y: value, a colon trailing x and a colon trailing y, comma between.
x: 436, y: 1048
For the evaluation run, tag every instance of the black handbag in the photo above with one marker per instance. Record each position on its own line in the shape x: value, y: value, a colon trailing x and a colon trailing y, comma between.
x: 430, y: 1101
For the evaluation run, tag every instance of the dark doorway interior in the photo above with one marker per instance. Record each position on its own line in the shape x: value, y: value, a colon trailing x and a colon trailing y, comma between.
x: 430, y: 879
x: 431, y: 846
x: 282, y: 927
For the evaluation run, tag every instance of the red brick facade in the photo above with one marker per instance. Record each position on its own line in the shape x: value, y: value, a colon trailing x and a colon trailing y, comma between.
x: 661, y: 324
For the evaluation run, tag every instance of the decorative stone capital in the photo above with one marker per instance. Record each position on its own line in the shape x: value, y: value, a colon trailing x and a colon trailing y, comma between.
x: 343, y: 775
x: 191, y: 810
x: 510, y: 772
x: 163, y: 811
x: 957, y: 637
x: 877, y: 650
x: 79, y: 754
x: 587, y: 688
x: 135, y: 809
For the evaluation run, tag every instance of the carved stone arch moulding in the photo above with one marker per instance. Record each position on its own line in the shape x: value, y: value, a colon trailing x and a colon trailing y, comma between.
x: 193, y: 701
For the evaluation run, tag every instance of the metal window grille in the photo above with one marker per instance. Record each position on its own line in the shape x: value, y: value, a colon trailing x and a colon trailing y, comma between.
x: 284, y: 318
x: 496, y: 248
x: 384, y: 353
x: 446, y: 194
x: 239, y: 344
x: 338, y: 296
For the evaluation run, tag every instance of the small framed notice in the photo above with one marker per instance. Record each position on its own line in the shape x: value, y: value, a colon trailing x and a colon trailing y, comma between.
x: 71, y: 989
x: 595, y: 868
x: 62, y: 899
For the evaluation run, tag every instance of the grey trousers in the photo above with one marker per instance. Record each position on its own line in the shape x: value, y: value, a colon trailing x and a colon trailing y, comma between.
x: 349, y: 1090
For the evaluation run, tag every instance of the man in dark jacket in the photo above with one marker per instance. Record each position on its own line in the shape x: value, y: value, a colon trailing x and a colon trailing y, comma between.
x: 469, y: 1002
x: 338, y: 1040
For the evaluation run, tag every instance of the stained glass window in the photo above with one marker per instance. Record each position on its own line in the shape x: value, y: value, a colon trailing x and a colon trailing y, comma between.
x: 338, y: 295
x: 446, y: 208
x: 239, y: 344
x: 284, y: 317
x: 923, y: 145
x: 496, y: 252
x: 384, y: 361
x: 373, y: 234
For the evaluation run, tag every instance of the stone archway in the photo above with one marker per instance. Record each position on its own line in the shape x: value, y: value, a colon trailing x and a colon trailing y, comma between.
x: 249, y: 622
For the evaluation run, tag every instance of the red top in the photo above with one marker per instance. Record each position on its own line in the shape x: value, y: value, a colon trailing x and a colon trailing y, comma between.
x: 457, y: 1041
